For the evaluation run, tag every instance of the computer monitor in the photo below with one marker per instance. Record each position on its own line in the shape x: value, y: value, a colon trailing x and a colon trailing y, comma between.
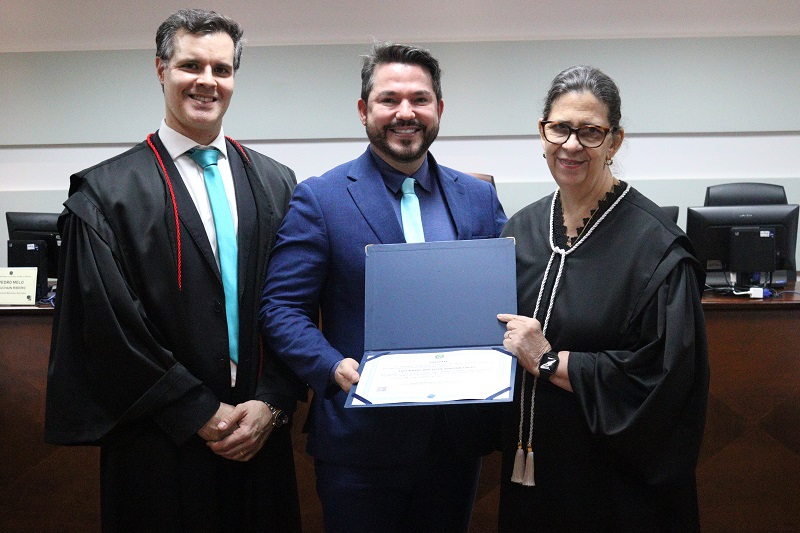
x: 745, y: 245
x: 37, y: 227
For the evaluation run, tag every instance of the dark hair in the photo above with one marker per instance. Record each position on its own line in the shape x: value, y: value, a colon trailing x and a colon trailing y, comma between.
x: 383, y: 53
x: 589, y: 79
x: 198, y: 22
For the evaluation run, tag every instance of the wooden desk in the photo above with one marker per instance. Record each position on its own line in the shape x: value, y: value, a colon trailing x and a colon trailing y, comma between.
x: 749, y: 470
x: 42, y: 487
x: 748, y: 474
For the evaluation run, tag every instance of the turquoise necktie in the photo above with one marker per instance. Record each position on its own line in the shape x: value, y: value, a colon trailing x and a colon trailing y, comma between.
x: 409, y: 212
x: 226, y: 241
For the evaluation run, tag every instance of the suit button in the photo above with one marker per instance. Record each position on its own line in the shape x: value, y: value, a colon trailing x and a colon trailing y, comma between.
x: 217, y: 307
x: 222, y: 363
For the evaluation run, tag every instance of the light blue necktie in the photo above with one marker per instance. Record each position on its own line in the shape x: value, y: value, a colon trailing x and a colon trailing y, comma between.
x: 226, y: 241
x: 409, y: 212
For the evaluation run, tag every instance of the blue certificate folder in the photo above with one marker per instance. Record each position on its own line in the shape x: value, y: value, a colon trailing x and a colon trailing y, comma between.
x: 437, y: 297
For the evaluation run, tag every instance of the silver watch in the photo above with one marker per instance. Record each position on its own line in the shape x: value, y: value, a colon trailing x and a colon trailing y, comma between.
x: 279, y: 416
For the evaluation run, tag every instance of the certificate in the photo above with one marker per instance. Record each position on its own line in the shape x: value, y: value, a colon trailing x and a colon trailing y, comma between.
x: 431, y: 333
x: 434, y: 377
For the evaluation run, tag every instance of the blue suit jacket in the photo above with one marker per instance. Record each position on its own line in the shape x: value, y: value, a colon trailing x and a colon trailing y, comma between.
x: 318, y: 264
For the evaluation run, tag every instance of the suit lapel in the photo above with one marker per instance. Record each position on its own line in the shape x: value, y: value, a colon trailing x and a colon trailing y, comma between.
x: 246, y: 207
x: 369, y: 194
x: 187, y: 212
x: 455, y: 197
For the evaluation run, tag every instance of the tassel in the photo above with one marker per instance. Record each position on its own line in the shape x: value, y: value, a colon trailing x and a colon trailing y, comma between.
x: 519, y: 465
x: 528, y: 477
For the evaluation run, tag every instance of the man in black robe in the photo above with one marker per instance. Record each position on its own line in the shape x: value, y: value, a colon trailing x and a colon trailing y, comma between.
x: 192, y: 438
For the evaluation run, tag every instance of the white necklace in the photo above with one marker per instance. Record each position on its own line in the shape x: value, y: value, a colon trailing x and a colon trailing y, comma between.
x: 523, y: 463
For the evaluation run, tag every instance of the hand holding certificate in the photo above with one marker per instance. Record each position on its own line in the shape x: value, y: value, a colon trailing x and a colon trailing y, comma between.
x: 434, y: 377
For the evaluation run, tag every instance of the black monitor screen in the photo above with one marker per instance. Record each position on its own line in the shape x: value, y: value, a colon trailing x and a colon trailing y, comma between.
x: 747, y: 245
x: 37, y: 226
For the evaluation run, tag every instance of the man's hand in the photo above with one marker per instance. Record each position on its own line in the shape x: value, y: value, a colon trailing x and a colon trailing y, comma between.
x: 247, y: 428
x: 346, y: 374
x: 211, y: 430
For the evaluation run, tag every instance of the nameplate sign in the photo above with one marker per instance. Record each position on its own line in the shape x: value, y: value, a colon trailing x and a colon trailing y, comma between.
x: 18, y: 286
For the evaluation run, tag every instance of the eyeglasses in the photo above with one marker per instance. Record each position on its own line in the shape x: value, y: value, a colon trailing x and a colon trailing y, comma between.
x: 559, y: 133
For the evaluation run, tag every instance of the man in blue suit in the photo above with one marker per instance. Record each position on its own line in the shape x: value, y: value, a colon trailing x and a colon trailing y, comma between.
x: 383, y: 469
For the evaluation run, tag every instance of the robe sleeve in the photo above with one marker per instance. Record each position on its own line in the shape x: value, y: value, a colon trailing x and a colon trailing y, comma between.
x: 648, y: 404
x: 110, y: 370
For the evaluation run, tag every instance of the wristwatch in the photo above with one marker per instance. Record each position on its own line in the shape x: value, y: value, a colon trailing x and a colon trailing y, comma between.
x: 548, y: 364
x: 279, y: 416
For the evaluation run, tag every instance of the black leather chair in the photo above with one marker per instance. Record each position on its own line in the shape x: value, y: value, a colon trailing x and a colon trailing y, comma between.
x: 671, y: 211
x: 745, y: 194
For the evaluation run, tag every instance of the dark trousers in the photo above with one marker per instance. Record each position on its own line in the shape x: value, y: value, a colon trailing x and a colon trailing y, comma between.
x: 435, y: 496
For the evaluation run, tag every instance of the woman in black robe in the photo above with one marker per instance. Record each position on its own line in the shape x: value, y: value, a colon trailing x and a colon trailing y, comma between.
x: 611, y: 397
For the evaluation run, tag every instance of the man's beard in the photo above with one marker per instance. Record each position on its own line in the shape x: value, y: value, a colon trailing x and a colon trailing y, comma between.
x: 378, y: 137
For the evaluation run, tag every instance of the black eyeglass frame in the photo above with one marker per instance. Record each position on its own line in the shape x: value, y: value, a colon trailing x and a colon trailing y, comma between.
x: 576, y: 131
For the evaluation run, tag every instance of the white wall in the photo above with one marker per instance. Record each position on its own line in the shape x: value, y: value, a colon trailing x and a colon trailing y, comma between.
x: 697, y: 112
x: 670, y: 169
x: 699, y: 85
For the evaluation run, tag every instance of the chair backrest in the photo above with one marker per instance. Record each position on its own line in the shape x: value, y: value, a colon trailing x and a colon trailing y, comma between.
x: 484, y: 177
x: 671, y: 211
x: 745, y: 194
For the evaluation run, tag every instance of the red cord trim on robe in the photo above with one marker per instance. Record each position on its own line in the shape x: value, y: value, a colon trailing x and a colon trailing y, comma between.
x: 239, y: 147
x: 174, y: 209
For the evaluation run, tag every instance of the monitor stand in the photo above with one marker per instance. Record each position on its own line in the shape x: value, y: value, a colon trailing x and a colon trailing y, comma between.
x: 718, y: 278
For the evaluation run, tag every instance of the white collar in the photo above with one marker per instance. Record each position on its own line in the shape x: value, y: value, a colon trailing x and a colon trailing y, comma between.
x: 177, y: 144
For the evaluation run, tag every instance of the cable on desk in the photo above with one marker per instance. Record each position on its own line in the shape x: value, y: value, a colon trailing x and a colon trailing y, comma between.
x: 778, y: 294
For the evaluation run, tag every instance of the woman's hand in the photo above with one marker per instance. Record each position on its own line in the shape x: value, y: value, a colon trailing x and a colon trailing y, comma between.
x: 524, y: 338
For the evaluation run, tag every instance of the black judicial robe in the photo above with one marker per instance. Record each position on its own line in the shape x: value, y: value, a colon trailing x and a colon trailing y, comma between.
x: 618, y: 454
x: 139, y: 354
